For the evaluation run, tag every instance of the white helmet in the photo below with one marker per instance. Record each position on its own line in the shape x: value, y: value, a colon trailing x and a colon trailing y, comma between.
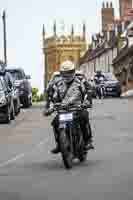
x: 79, y: 72
x: 67, y: 70
x: 56, y: 73
x: 67, y: 66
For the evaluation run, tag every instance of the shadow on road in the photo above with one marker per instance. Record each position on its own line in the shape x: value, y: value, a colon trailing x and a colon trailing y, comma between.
x: 57, y: 165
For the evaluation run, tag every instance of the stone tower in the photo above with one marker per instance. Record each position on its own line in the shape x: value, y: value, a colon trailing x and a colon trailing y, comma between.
x: 59, y: 48
x: 107, y: 16
x: 125, y: 6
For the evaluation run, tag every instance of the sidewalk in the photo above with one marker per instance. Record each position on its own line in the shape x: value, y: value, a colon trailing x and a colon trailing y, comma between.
x: 127, y: 94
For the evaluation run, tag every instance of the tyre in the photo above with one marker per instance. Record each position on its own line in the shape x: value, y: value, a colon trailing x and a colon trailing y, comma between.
x: 119, y: 94
x: 30, y: 101
x: 8, y: 116
x: 82, y: 153
x: 26, y: 103
x: 13, y: 113
x: 83, y: 157
x: 65, y: 150
x: 16, y: 108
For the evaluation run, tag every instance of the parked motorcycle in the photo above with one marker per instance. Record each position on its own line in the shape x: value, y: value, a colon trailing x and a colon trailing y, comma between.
x: 100, y: 91
x: 70, y: 138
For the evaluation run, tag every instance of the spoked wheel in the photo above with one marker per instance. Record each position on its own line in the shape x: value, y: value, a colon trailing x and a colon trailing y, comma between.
x: 65, y: 150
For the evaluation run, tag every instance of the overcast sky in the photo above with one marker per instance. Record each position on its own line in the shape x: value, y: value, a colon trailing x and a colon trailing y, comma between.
x: 25, y: 19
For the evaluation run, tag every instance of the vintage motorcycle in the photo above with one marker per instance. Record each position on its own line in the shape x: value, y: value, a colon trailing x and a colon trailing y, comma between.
x: 100, y: 91
x: 70, y: 136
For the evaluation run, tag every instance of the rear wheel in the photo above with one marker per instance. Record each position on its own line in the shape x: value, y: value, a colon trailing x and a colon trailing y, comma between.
x: 65, y: 150
x: 8, y: 117
x: 82, y: 153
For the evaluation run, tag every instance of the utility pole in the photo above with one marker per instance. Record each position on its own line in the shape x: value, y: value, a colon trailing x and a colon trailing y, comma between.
x: 4, y: 34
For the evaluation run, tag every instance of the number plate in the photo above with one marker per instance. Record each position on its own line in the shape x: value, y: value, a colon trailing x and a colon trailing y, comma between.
x: 66, y: 117
x: 109, y: 89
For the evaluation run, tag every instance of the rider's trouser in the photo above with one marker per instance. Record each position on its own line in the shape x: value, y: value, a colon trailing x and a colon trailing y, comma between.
x: 85, y: 126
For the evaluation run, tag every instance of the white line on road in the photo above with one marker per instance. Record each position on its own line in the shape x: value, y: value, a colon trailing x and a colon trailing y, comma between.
x: 12, y: 160
x: 22, y: 155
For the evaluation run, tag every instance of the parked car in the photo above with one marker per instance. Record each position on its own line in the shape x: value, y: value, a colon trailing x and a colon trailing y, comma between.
x: 7, y: 112
x: 23, y: 85
x: 112, y: 85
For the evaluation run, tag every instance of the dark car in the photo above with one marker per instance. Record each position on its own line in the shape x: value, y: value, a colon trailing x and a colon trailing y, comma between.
x: 6, y: 102
x: 111, y: 85
x: 23, y: 85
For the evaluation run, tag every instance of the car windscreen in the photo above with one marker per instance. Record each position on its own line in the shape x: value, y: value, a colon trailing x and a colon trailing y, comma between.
x: 110, y: 77
x: 17, y: 75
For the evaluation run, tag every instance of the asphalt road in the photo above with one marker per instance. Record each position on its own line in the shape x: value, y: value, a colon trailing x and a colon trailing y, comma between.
x: 28, y: 171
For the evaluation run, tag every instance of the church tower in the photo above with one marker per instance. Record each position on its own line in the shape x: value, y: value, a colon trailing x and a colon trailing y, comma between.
x: 107, y: 16
x: 58, y: 48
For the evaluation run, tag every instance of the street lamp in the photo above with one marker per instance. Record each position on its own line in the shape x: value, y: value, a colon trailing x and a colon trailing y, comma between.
x: 4, y: 34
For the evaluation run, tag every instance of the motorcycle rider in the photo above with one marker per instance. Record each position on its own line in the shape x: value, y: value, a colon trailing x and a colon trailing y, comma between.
x: 50, y: 89
x: 6, y: 76
x: 71, y: 91
x: 99, y: 81
x: 88, y: 88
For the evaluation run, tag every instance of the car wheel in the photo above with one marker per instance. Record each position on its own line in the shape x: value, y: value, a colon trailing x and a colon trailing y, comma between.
x: 119, y: 94
x: 31, y: 101
x: 26, y: 103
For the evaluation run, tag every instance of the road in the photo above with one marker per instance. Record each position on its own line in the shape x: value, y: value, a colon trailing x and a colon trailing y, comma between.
x: 28, y: 171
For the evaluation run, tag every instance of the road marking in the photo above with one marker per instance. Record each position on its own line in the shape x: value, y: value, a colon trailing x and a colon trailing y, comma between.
x: 42, y: 143
x: 12, y: 160
x: 22, y: 155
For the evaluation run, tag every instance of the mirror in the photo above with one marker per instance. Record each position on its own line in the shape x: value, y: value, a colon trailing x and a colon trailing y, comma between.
x: 28, y: 77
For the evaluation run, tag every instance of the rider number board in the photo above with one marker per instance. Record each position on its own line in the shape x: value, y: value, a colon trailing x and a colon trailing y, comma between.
x: 66, y: 117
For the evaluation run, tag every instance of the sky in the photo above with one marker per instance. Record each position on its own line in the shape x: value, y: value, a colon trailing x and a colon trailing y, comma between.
x: 25, y: 19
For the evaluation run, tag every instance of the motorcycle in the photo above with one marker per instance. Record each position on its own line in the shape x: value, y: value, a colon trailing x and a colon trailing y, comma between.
x: 100, y: 91
x: 70, y: 136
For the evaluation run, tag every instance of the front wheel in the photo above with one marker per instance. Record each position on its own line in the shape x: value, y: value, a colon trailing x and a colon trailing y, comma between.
x: 83, y: 157
x: 65, y: 150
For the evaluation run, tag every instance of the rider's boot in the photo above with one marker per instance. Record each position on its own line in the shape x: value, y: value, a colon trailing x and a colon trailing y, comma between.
x: 56, y: 149
x: 89, y: 145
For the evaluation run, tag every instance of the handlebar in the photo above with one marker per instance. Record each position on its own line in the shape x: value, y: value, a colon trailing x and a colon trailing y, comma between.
x: 70, y: 107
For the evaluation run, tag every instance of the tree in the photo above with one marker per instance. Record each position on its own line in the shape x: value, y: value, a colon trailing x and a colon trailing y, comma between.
x: 35, y: 97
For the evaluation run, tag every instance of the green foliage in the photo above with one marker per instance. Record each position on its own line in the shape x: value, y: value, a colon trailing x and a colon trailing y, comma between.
x: 42, y: 97
x: 35, y: 96
x: 34, y: 91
